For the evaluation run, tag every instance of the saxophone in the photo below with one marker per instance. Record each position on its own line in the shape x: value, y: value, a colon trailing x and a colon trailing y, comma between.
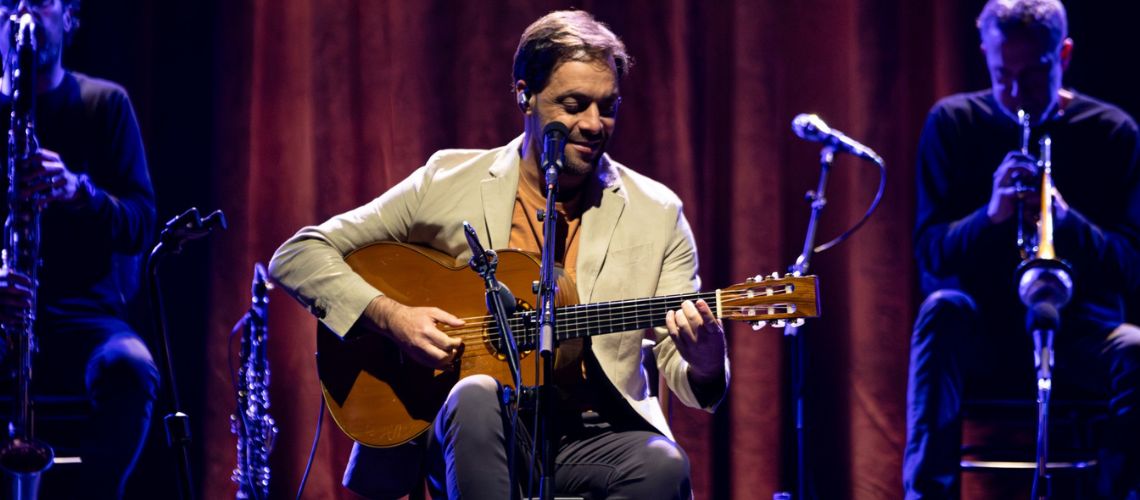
x: 251, y: 422
x: 22, y: 457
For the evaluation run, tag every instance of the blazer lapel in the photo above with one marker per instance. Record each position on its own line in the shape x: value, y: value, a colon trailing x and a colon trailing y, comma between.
x: 499, y: 190
x: 598, y: 225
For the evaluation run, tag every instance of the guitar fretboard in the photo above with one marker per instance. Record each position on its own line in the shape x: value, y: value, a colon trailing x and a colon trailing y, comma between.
x: 600, y: 318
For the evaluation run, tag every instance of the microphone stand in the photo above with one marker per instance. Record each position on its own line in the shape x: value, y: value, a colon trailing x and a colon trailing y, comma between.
x: 501, y: 303
x: 546, y: 332
x: 797, y: 345
x: 1043, y: 357
x: 185, y: 227
x: 1045, y: 285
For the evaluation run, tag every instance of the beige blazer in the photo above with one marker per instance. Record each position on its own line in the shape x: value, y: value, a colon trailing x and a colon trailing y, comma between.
x: 636, y: 244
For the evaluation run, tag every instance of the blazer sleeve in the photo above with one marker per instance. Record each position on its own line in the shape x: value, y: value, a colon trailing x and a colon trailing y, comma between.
x: 311, y: 267
x: 679, y: 275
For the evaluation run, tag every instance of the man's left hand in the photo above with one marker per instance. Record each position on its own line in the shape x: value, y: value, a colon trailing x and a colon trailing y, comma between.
x: 699, y: 337
x: 48, y: 180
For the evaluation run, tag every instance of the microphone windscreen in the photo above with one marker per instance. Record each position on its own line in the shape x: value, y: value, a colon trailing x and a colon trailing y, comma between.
x: 555, y: 127
x: 810, y: 127
x: 1043, y: 316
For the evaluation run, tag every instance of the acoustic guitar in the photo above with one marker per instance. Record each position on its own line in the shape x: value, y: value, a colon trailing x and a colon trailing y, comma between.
x: 381, y: 398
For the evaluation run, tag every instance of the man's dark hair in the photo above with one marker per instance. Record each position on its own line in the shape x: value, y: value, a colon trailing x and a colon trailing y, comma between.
x: 72, y: 5
x: 565, y: 35
x: 1044, y: 18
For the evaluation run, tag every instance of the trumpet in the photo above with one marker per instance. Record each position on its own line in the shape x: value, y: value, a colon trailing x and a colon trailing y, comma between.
x: 1043, y: 278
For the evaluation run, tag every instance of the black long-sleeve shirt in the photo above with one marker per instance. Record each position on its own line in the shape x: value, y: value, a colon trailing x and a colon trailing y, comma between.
x: 1095, y: 155
x: 91, y: 251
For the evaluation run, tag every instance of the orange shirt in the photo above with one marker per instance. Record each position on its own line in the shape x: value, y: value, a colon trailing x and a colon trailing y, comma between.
x: 526, y: 234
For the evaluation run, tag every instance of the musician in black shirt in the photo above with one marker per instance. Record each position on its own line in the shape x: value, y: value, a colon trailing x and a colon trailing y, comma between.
x: 971, y: 326
x: 98, y: 218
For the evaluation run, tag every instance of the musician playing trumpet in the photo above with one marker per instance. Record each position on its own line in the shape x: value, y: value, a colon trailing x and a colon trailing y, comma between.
x: 975, y: 169
x: 90, y: 180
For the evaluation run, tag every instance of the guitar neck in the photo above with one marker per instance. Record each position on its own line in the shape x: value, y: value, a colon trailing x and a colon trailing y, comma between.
x: 600, y: 318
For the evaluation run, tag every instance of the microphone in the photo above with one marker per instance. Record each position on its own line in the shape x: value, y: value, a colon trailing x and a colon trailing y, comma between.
x: 25, y: 30
x: 554, y: 145
x: 812, y: 128
x: 190, y: 225
x: 1043, y: 316
x: 478, y: 260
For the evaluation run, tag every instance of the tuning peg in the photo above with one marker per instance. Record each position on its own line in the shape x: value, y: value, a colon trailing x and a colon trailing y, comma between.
x: 798, y: 322
x: 750, y: 279
x: 775, y: 275
x: 779, y: 323
x: 758, y: 325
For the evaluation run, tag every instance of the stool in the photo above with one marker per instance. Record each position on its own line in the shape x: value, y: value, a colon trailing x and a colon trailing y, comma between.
x: 999, y: 438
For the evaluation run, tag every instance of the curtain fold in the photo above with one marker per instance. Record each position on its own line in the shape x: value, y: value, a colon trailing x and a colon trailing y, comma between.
x: 327, y: 104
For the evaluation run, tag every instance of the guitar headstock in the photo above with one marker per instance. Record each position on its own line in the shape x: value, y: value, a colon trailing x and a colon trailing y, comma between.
x: 770, y: 300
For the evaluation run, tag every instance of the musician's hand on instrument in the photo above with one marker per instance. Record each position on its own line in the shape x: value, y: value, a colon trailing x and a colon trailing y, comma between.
x: 15, y: 296
x: 1003, y: 199
x: 1060, y: 206
x: 699, y: 337
x: 415, y: 330
x: 48, y: 179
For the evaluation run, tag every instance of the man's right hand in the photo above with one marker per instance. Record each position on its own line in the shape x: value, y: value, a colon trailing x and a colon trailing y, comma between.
x: 1003, y: 198
x: 414, y: 330
x: 15, y: 296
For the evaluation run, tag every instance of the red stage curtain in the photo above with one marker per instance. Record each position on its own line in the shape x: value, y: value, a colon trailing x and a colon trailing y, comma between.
x: 328, y: 103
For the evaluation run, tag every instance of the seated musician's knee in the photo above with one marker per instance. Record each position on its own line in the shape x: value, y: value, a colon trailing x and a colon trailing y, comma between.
x: 474, y: 397
x: 122, y: 365
x: 948, y: 301
x: 475, y: 389
x: 1125, y: 338
x: 666, y: 466
x: 1123, y: 351
x: 945, y: 310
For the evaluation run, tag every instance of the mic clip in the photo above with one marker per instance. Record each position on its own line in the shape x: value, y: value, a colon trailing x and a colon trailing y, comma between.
x: 190, y: 225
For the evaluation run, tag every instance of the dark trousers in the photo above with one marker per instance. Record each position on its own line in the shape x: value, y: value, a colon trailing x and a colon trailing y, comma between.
x: 465, y: 455
x: 105, y: 359
x: 953, y: 344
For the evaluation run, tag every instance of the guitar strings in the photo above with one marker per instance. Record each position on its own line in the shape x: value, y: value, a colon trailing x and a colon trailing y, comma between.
x: 579, y: 319
x: 482, y: 340
x: 477, y: 332
x: 592, y: 316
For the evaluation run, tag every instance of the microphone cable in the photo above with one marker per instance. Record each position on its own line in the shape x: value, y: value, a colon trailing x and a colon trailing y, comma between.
x: 313, y: 450
x: 866, y: 215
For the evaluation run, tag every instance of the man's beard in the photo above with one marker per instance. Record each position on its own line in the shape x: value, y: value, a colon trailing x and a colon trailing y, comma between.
x: 46, y: 55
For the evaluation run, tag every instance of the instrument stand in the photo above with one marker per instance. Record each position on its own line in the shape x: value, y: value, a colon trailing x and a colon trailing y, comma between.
x: 501, y: 303
x: 798, y: 345
x: 185, y: 227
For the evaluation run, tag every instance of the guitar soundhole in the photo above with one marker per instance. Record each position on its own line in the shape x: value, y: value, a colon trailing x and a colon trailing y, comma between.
x: 522, y: 326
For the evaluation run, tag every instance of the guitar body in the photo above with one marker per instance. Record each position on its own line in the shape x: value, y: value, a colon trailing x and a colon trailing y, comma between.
x: 379, y: 396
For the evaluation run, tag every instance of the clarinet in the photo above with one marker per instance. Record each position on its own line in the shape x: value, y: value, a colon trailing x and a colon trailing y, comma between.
x: 22, y: 457
x: 251, y: 422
